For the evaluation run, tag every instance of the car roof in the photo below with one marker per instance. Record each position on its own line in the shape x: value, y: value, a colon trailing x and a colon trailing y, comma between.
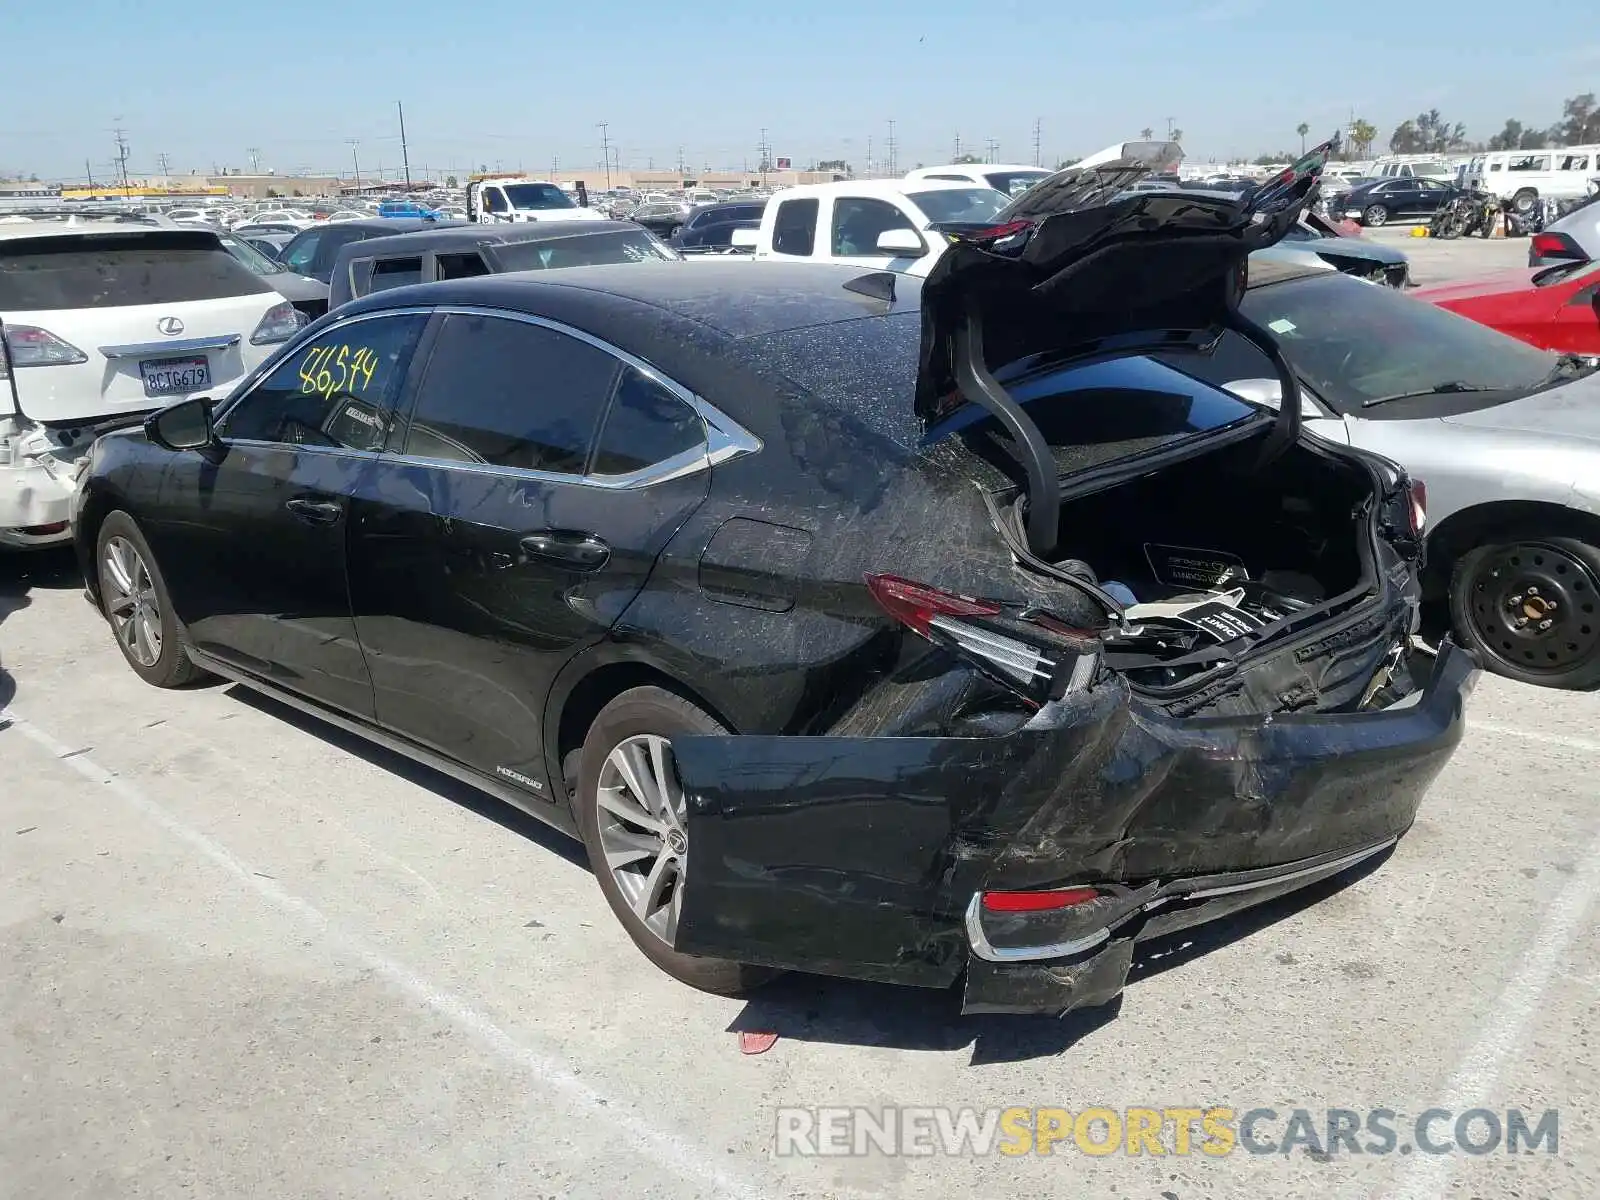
x: 738, y: 299
x: 391, y: 224
x: 975, y: 168
x: 872, y: 187
x: 466, y: 233
x: 62, y: 228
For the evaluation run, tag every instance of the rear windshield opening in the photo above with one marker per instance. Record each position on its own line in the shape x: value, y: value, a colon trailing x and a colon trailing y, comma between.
x: 587, y: 250
x: 117, y: 270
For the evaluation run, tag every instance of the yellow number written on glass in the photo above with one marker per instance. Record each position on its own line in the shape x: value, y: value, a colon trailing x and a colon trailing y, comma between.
x: 350, y: 372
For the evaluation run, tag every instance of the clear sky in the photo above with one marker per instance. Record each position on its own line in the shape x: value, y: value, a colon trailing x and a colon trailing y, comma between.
x: 524, y: 84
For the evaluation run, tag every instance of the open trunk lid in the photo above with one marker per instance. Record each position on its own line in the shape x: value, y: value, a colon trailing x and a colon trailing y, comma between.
x: 1078, y: 267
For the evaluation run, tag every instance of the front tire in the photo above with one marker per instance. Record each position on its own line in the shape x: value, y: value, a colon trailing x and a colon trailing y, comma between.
x: 1524, y: 201
x: 134, y: 598
x: 1530, y: 607
x: 1374, y: 216
x: 630, y: 810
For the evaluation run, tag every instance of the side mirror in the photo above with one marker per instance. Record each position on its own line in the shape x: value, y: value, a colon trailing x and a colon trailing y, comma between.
x: 745, y: 239
x: 185, y: 425
x: 900, y: 243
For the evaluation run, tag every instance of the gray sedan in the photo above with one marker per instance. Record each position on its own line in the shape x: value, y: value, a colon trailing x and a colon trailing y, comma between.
x: 1505, y: 438
x: 1574, y: 238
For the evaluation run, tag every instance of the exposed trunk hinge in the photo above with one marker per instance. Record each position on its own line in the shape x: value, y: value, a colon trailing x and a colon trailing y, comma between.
x: 1286, y: 430
x: 1044, y: 483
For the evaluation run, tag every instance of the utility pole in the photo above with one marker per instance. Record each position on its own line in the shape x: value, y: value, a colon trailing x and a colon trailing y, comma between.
x: 1038, y: 126
x: 355, y: 157
x: 765, y: 163
x: 990, y: 148
x: 957, y: 157
x: 87, y: 173
x: 1170, y: 127
x: 682, y: 170
x: 405, y: 155
x: 161, y: 160
x: 122, y: 154
x: 869, y: 156
x: 892, y: 164
x: 605, y: 149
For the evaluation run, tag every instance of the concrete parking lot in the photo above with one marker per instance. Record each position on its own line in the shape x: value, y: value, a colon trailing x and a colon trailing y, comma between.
x: 247, y: 955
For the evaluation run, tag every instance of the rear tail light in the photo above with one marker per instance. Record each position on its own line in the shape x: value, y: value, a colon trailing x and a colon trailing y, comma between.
x: 1556, y: 245
x: 278, y: 325
x: 1418, y: 492
x: 30, y: 346
x: 1035, y: 658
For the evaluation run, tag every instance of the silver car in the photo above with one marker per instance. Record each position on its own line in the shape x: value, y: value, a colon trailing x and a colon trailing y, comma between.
x: 1574, y: 238
x: 1504, y: 437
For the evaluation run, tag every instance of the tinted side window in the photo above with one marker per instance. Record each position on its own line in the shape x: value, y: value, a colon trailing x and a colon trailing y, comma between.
x: 338, y: 390
x: 395, y: 272
x: 510, y: 394
x: 795, y: 231
x: 646, y: 424
x: 302, y: 251
x: 461, y: 266
x: 494, y: 200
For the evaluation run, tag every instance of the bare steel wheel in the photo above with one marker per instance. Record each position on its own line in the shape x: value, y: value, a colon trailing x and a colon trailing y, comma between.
x: 1531, y: 608
x: 632, y: 814
x: 134, y: 597
x: 641, y: 826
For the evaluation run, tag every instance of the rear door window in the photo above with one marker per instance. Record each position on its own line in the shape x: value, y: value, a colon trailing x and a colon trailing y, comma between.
x: 119, y: 269
x: 507, y: 393
x: 646, y: 424
x: 794, y: 231
x: 462, y: 266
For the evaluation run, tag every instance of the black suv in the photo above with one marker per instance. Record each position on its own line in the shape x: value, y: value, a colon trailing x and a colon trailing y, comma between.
x: 856, y: 626
x: 711, y: 226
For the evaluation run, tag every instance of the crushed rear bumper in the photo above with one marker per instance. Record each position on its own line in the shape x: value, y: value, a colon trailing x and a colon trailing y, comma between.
x: 865, y: 857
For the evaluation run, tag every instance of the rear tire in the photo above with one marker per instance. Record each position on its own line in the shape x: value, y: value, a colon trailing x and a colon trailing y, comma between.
x: 1524, y: 201
x: 1537, y: 581
x: 620, y: 752
x: 135, y: 601
x: 1374, y: 216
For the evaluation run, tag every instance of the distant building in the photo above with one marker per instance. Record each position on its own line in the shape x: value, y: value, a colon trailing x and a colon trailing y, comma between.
x: 266, y: 187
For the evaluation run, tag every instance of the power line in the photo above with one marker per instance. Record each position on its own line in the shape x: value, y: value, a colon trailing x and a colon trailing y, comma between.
x: 122, y: 153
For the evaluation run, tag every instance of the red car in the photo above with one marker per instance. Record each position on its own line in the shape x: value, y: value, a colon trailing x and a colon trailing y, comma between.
x: 1554, y: 308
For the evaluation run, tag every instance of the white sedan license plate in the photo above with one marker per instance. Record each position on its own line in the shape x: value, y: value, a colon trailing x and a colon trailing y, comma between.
x: 171, y: 376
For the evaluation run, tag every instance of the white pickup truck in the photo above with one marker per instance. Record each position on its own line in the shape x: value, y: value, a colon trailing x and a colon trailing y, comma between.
x: 889, y: 224
x: 495, y: 199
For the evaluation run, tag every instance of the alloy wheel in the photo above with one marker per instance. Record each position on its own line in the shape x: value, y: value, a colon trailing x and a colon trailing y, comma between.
x: 640, y: 819
x: 1535, y: 606
x: 1376, y: 215
x: 131, y: 601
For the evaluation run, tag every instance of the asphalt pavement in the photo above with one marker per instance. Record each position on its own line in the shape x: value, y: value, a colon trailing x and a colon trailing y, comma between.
x: 243, y: 954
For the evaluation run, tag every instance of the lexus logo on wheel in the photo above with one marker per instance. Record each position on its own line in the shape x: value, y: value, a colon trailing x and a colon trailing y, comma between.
x: 170, y: 326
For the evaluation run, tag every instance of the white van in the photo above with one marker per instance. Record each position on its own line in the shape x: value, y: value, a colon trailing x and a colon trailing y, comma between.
x: 1411, y: 166
x: 1523, y: 177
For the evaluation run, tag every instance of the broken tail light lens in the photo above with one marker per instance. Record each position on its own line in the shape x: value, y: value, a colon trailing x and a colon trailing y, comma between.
x: 278, y: 325
x: 30, y: 346
x: 978, y: 630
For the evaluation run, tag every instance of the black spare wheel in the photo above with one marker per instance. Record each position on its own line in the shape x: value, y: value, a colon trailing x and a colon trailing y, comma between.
x: 631, y: 810
x: 1531, y: 608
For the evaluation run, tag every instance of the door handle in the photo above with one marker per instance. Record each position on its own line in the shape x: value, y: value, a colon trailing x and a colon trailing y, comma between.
x: 575, y: 551
x: 316, y: 512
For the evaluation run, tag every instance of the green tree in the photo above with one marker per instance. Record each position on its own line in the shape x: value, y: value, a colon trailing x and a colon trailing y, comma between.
x: 1067, y: 162
x: 1302, y: 129
x: 1508, y: 138
x: 968, y: 158
x: 834, y: 164
x: 450, y: 181
x: 1362, y: 134
x: 1175, y: 136
x: 1147, y: 133
x: 1580, y: 121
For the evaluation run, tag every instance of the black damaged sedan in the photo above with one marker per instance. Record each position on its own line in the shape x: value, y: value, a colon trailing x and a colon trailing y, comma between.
x: 893, y: 631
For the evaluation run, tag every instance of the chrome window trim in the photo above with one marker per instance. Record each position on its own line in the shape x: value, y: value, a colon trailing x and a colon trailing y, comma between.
x: 725, y: 439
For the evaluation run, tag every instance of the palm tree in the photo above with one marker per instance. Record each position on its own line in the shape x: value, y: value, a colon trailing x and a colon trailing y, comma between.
x: 1147, y: 133
x: 1302, y: 129
x: 1362, y: 134
x: 1175, y: 136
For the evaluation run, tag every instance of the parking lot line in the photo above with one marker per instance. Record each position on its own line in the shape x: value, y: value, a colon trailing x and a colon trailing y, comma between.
x: 676, y: 1153
x: 1534, y: 735
x: 1478, y: 1072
